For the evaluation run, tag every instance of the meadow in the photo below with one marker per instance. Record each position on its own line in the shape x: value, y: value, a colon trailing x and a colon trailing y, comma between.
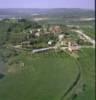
x: 43, y: 77
x: 47, y: 76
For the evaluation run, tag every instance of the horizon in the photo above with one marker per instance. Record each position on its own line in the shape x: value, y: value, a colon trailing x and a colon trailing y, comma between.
x: 51, y: 8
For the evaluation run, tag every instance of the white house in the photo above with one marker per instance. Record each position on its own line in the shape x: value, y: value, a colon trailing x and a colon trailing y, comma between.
x: 37, y: 34
x: 50, y: 42
x: 60, y: 37
x: 38, y: 30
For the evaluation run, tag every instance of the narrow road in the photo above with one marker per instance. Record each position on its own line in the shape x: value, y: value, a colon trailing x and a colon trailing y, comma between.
x: 42, y: 49
x: 61, y: 48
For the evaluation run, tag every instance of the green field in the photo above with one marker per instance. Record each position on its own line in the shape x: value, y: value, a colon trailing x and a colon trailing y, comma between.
x: 47, y: 76
x: 44, y: 77
x: 90, y: 31
x: 87, y: 62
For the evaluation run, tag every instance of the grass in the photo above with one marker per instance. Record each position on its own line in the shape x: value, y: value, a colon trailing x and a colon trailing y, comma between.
x: 87, y: 62
x: 90, y: 31
x: 44, y: 77
x: 47, y: 76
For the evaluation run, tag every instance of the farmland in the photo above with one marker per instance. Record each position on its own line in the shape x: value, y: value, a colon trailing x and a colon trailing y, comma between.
x: 30, y: 70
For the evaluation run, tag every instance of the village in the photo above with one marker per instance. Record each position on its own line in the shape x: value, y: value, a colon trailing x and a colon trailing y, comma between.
x: 55, y: 37
x: 47, y: 54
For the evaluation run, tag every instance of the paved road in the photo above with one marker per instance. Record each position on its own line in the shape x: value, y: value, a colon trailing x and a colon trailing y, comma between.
x: 42, y: 49
x: 62, y: 48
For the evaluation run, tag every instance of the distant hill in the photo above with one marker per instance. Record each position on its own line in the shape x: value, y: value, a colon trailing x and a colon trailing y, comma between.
x: 65, y: 12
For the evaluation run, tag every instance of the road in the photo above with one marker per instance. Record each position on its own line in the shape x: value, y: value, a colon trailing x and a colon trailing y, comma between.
x: 42, y: 49
x: 80, y: 32
x: 61, y: 48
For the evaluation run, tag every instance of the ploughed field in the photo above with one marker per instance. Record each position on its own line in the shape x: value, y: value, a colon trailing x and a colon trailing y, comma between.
x: 47, y: 76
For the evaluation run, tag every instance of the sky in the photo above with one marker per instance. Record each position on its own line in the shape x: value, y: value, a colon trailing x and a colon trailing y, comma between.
x: 85, y: 4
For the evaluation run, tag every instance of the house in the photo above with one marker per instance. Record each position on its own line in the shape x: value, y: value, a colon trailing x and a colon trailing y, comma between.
x: 72, y: 47
x: 50, y: 42
x: 63, y: 43
x: 61, y: 37
x: 38, y: 30
x: 55, y: 29
x: 30, y: 31
x: 37, y: 34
